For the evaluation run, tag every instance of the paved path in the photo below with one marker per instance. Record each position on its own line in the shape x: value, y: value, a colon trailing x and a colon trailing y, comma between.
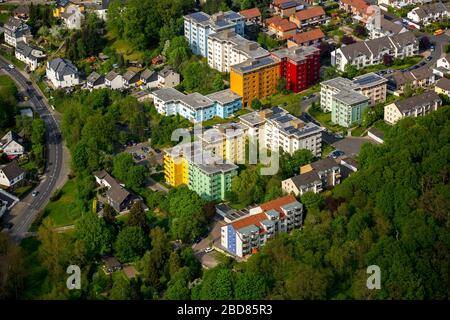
x: 23, y: 214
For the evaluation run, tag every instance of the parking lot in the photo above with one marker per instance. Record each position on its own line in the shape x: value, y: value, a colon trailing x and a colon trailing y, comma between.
x: 351, y: 145
x: 143, y: 154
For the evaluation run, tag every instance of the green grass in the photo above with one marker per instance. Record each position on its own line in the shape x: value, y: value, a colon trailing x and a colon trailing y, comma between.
x: 326, y: 149
x: 218, y: 120
x: 358, y: 131
x: 4, y: 17
x: 123, y: 47
x: 23, y: 191
x: 36, y: 282
x: 403, y: 64
x: 325, y: 120
x: 19, y: 64
x: 6, y: 81
x: 65, y: 210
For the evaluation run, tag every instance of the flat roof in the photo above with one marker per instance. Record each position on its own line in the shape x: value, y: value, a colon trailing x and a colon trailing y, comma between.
x: 253, y: 64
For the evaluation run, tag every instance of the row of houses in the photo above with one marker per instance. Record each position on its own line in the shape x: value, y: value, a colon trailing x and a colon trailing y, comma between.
x: 370, y: 52
x: 429, y: 13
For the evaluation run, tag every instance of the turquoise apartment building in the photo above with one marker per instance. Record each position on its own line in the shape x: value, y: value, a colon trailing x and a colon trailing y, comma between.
x: 211, y: 181
x: 347, y: 108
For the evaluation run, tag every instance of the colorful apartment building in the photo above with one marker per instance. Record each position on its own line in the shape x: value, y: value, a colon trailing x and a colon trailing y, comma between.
x: 176, y: 166
x: 299, y: 66
x: 211, y: 181
x: 254, y: 79
x: 248, y: 234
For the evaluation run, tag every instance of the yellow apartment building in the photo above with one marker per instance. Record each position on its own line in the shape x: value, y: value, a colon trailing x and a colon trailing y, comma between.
x: 254, y: 79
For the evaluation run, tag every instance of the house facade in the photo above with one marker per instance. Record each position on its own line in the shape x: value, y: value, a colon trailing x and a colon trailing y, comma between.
x: 250, y: 233
x: 370, y: 52
x: 227, y: 48
x: 430, y: 13
x: 11, y: 175
x: 15, y: 31
x: 12, y: 145
x: 414, y: 106
x: 443, y: 86
x: 199, y: 25
x: 113, y: 80
x: 29, y: 55
x: 312, y: 16
x: 62, y: 73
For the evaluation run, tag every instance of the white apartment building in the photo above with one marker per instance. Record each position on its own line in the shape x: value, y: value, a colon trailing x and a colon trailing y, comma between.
x: 429, y: 13
x: 62, y: 73
x: 227, y: 48
x: 370, y: 85
x: 199, y: 25
x: 29, y: 55
x: 15, y: 31
x: 370, y: 52
x: 384, y: 28
x: 246, y: 235
x: 415, y: 106
x: 283, y: 130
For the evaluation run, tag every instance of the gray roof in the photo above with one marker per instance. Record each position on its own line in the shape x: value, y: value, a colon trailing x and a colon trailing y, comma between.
x: 324, y: 164
x: 305, y: 179
x: 443, y: 83
x: 129, y: 75
x: 10, y: 136
x: 111, y: 76
x: 296, y: 53
x: 376, y: 132
x: 368, y: 80
x: 116, y: 192
x: 418, y: 101
x: 166, y: 71
x: 224, y: 96
x: 251, y: 49
x: 95, y: 79
x: 252, y: 64
x: 168, y: 94
x: 148, y: 74
x: 350, y: 97
x: 431, y: 9
x: 62, y: 67
x: 15, y: 27
x: 339, y: 83
x: 193, y: 100
x: 216, y: 168
x: 11, y: 170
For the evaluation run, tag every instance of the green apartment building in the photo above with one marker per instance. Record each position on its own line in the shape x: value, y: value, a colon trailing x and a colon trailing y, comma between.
x: 211, y: 181
x: 347, y: 108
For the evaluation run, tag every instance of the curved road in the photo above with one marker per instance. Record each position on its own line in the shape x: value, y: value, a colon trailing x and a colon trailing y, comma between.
x: 24, y: 213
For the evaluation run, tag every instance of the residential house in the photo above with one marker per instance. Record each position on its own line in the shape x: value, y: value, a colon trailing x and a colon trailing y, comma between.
x: 114, y: 80
x: 414, y: 106
x: 247, y: 235
x: 313, y: 177
x: 276, y: 128
x: 196, y: 107
x: 398, y: 4
x: 422, y: 77
x: 15, y: 31
x: 312, y: 37
x: 361, y: 10
x: 252, y: 15
x: 227, y: 48
x: 370, y: 85
x: 442, y: 66
x: 284, y: 8
x: 62, y: 6
x: 149, y: 79
x: 11, y: 175
x: 254, y: 79
x: 199, y: 25
x: 384, y: 28
x: 429, y: 13
x: 101, y: 9
x: 12, y: 145
x: 282, y: 28
x: 73, y: 17
x: 376, y: 135
x: 22, y: 12
x: 62, y: 73
x: 116, y: 195
x: 443, y: 86
x: 167, y: 78
x: 311, y: 16
x: 95, y: 81
x: 29, y: 55
x: 350, y: 163
x: 370, y: 52
x: 130, y: 78
x: 299, y: 66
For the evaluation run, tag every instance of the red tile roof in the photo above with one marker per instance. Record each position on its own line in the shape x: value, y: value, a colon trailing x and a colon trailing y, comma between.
x: 312, y: 35
x: 282, y: 24
x: 278, y: 2
x: 250, y: 13
x: 310, y: 13
x: 360, y: 5
x: 256, y: 219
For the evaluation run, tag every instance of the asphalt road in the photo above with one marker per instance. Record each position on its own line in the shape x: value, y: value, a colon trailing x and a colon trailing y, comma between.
x: 24, y: 213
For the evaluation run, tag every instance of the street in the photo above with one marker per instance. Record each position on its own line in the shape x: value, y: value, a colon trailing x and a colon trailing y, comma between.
x: 56, y: 170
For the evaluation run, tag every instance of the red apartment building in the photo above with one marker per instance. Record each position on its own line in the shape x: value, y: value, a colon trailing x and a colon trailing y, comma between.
x: 300, y: 66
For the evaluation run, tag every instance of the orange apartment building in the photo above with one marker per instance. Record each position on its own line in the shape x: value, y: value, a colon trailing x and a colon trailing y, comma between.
x: 254, y: 79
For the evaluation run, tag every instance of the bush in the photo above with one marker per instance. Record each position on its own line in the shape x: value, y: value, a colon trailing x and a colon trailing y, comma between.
x: 56, y: 195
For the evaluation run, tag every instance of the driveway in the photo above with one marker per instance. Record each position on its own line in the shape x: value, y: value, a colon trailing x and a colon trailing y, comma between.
x: 351, y: 145
x: 208, y: 260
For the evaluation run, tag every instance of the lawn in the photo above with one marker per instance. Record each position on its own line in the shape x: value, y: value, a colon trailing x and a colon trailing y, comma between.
x: 358, y: 131
x: 65, y: 210
x: 291, y: 101
x: 403, y: 64
x: 23, y: 191
x: 6, y: 81
x: 123, y: 47
x: 4, y: 17
x: 325, y: 119
x: 36, y: 282
x: 218, y: 120
x: 326, y: 149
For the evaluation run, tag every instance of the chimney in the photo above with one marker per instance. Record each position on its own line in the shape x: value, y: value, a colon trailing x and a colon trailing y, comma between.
x: 251, y: 46
x: 217, y: 16
x: 265, y: 113
x: 297, y: 123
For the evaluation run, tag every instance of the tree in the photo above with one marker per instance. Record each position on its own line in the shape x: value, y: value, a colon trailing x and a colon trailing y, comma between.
x: 121, y: 289
x: 130, y: 244
x: 312, y: 283
x: 312, y: 200
x: 388, y: 60
x: 282, y: 86
x: 330, y: 73
x: 125, y: 170
x: 12, y: 264
x: 290, y: 163
x: 138, y: 217
x: 347, y: 40
x: 178, y: 52
x: 249, y: 286
x: 360, y: 31
x: 408, y: 89
x: 424, y: 43
x: 218, y: 84
x: 177, y: 288
x: 95, y: 234
x: 350, y: 71
x: 256, y: 104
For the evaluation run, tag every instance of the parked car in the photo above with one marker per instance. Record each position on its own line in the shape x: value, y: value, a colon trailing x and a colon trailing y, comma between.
x: 208, y: 249
x: 336, y: 154
x: 10, y: 66
x: 34, y: 193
